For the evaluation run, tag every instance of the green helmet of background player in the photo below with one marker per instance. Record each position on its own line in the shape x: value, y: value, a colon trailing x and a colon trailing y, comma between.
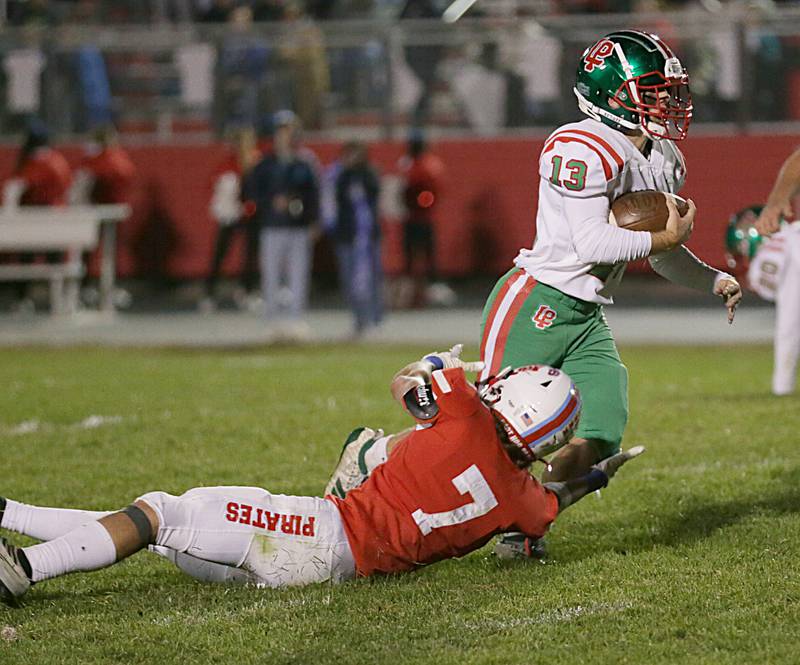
x: 632, y: 81
x: 742, y: 239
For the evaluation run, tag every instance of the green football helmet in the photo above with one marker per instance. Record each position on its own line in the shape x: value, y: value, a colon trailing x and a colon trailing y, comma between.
x: 742, y: 239
x: 632, y: 81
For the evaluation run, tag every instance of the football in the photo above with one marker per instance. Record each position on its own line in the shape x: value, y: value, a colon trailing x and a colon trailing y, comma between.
x: 644, y: 211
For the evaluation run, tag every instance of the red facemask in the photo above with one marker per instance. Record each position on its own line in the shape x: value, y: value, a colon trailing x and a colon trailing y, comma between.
x: 662, y: 116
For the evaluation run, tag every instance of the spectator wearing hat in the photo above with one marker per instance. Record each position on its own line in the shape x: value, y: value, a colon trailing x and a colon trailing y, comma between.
x: 285, y: 188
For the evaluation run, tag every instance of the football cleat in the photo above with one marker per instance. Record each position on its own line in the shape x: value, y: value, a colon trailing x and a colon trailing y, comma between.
x: 13, y: 580
x: 610, y: 465
x: 351, y: 471
x: 519, y: 546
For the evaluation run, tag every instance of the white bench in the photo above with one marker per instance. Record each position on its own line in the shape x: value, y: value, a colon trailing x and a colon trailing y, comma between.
x: 70, y: 232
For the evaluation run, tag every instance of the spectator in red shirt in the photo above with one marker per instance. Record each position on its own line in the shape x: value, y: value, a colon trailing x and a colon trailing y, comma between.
x: 42, y: 177
x: 423, y: 172
x: 106, y: 174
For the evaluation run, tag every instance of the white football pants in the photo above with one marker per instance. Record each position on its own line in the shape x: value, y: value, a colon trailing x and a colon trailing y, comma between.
x: 274, y: 539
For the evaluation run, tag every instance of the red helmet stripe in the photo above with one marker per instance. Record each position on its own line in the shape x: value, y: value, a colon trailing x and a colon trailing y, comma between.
x: 554, y: 424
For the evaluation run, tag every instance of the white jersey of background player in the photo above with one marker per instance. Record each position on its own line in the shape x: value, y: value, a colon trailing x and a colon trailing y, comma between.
x: 786, y: 254
x: 774, y: 274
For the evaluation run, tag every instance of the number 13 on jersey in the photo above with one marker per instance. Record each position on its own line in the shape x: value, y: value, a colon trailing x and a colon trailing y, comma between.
x: 576, y: 172
x: 469, y: 482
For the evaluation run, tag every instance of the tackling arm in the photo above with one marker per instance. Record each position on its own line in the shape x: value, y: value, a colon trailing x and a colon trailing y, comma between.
x: 779, y: 202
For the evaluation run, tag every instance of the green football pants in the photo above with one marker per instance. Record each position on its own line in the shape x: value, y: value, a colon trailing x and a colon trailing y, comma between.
x: 526, y: 323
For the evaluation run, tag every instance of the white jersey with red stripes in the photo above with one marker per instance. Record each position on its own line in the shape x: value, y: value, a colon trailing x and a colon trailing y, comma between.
x: 588, y: 160
x: 774, y: 274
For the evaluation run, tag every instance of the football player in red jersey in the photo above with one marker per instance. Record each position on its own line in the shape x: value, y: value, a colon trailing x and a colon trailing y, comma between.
x: 446, y: 488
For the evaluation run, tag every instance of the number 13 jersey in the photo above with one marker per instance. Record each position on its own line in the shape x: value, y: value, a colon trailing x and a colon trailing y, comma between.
x: 583, y: 167
x: 446, y: 490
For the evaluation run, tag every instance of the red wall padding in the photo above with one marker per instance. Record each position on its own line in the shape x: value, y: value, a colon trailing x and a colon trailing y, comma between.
x: 487, y: 207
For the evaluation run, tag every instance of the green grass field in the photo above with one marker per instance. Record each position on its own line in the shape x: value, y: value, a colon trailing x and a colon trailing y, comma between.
x: 691, y: 556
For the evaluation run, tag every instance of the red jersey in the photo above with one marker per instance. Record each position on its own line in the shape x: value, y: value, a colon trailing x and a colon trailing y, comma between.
x: 422, y: 187
x: 47, y: 178
x: 444, y: 491
x: 113, y: 173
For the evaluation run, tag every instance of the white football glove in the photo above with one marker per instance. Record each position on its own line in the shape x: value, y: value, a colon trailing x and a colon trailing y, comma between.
x: 452, y: 358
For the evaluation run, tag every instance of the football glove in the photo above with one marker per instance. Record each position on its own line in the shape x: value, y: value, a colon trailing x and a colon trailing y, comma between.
x: 610, y: 465
x: 452, y: 358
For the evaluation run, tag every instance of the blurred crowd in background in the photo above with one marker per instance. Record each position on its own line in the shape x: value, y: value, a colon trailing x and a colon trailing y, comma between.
x: 278, y: 198
x: 199, y: 66
x: 351, y: 72
x: 54, y: 12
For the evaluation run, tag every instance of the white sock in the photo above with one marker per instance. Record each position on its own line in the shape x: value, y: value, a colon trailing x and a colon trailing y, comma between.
x: 45, y: 523
x: 377, y: 454
x: 88, y: 547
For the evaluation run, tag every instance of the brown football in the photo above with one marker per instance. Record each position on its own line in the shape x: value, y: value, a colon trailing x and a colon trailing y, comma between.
x: 644, y: 211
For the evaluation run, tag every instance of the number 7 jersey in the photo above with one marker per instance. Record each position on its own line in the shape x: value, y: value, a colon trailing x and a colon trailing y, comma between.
x: 583, y: 167
x: 446, y: 490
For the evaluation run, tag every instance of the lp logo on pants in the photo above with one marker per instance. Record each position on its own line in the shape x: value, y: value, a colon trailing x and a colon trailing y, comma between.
x: 544, y: 317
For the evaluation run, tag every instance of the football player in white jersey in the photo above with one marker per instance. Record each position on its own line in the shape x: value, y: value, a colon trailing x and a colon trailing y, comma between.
x: 549, y: 308
x: 773, y: 272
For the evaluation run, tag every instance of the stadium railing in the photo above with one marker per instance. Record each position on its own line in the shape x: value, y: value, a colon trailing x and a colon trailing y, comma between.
x: 489, y: 75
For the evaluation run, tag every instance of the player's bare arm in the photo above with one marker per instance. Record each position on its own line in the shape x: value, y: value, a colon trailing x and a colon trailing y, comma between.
x: 779, y: 202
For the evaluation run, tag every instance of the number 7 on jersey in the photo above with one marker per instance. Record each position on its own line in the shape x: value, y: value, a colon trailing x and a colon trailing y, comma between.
x: 469, y: 482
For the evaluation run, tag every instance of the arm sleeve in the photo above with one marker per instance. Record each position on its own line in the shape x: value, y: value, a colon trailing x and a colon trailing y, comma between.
x: 682, y: 267
x: 582, y: 174
x: 454, y: 395
x: 597, y: 241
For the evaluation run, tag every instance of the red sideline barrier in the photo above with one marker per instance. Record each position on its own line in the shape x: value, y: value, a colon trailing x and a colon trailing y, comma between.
x: 487, y: 207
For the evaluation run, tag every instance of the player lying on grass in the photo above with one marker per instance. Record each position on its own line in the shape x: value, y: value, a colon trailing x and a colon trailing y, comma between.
x: 773, y: 272
x: 444, y: 491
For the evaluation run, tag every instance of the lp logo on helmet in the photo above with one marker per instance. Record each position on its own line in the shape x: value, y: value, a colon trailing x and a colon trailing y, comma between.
x: 596, y: 57
x: 544, y: 317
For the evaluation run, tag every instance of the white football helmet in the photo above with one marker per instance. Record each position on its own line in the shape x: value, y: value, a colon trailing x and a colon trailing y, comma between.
x: 538, y: 406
